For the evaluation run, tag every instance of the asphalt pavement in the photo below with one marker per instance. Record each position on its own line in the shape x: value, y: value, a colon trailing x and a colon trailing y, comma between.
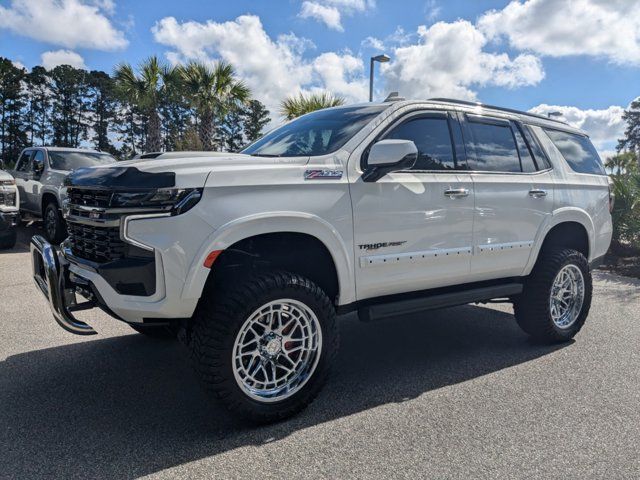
x: 457, y: 393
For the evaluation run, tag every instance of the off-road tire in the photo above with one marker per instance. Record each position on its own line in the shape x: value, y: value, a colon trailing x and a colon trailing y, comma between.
x: 55, y: 228
x: 8, y: 239
x: 217, y: 321
x: 532, y: 309
x: 152, y: 331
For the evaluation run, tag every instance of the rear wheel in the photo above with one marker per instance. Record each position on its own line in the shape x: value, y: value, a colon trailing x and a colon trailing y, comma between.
x: 54, y: 226
x: 265, y: 347
x: 557, y: 296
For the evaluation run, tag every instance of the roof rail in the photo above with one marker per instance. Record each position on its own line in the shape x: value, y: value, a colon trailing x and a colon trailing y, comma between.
x: 493, y: 107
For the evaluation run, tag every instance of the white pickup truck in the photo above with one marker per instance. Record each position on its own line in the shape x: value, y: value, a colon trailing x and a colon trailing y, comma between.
x: 380, y: 208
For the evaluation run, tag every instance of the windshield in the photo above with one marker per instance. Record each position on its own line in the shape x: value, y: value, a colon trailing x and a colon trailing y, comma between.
x: 317, y: 133
x: 72, y: 160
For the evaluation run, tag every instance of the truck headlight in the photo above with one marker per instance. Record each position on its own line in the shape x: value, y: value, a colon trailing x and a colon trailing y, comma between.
x: 175, y: 200
x: 7, y: 182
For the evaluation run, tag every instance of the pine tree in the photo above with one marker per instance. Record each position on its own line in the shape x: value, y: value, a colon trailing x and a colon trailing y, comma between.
x: 103, y: 107
x: 233, y: 128
x: 39, y: 91
x: 13, y: 137
x: 69, y: 115
x: 631, y: 140
x: 255, y: 118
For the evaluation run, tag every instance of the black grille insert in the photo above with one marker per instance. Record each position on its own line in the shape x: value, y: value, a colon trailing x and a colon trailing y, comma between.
x: 89, y: 198
x: 97, y: 244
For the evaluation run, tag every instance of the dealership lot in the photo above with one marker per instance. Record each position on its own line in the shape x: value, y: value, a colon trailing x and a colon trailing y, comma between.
x: 457, y: 393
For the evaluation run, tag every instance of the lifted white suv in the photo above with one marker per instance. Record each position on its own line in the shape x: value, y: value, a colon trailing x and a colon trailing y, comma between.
x: 385, y: 209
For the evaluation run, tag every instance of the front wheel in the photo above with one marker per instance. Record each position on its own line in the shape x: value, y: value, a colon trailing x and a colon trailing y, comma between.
x: 556, y: 298
x: 265, y: 347
x: 9, y: 238
x: 54, y: 225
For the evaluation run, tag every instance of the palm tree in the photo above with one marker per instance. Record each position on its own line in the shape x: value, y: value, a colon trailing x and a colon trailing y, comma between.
x: 145, y: 90
x: 296, y: 105
x: 212, y: 91
x: 624, y: 162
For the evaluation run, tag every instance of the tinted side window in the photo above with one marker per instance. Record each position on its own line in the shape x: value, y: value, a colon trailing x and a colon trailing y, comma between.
x: 492, y: 147
x: 23, y: 162
x: 526, y: 160
x: 539, y: 156
x: 578, y: 151
x: 433, y: 140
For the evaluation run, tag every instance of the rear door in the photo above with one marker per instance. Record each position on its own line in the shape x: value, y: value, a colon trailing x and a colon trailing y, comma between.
x: 513, y: 195
x: 413, y: 228
x: 22, y: 175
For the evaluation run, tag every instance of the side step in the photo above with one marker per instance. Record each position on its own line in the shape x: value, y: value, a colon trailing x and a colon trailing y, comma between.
x: 441, y: 300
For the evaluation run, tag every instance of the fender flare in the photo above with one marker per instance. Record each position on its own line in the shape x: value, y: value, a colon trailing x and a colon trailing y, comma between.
x: 274, y: 222
x: 562, y: 215
x: 48, y: 190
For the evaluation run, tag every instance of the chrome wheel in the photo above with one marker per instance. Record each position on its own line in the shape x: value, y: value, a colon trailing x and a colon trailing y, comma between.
x: 277, y: 350
x: 567, y: 296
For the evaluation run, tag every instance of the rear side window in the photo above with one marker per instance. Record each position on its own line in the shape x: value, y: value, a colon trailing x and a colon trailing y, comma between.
x: 578, y: 151
x: 491, y: 146
x: 433, y: 141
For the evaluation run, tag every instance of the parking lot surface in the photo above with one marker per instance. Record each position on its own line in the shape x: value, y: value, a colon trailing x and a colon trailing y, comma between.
x: 457, y: 393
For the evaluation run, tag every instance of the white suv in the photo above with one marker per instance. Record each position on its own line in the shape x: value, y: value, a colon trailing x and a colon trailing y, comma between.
x: 383, y: 209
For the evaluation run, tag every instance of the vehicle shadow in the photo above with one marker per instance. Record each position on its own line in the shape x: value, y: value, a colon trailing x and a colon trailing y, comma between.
x: 129, y: 406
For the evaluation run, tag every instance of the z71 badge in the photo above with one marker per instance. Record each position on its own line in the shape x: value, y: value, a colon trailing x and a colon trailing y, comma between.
x: 323, y: 175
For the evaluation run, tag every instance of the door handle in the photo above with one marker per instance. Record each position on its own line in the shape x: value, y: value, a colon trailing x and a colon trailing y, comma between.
x: 537, y: 193
x: 456, y: 192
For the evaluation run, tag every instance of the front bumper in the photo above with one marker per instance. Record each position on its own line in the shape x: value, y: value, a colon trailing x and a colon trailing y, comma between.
x: 51, y: 274
x: 8, y: 220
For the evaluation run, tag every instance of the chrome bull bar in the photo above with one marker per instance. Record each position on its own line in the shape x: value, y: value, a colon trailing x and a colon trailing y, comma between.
x: 50, y: 273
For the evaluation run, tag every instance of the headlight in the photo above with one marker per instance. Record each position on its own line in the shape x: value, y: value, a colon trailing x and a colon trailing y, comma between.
x: 176, y: 200
x: 8, y: 182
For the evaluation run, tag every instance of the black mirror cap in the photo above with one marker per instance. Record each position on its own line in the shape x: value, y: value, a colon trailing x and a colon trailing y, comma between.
x: 373, y: 174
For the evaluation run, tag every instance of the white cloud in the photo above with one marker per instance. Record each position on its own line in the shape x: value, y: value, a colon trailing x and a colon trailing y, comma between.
x: 328, y: 15
x: 52, y: 59
x: 18, y: 64
x: 604, y: 126
x: 272, y: 68
x: 604, y: 28
x: 373, y: 42
x: 330, y: 12
x: 68, y: 23
x: 449, y: 60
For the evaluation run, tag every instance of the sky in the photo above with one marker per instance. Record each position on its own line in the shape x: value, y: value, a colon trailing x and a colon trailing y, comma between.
x: 577, y: 57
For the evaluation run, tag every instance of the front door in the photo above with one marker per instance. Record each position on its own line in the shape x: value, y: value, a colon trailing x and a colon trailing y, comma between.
x: 413, y: 229
x: 513, y: 195
x: 22, y: 175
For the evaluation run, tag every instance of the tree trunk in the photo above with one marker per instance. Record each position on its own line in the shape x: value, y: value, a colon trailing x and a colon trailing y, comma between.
x: 154, y: 138
x: 205, y: 130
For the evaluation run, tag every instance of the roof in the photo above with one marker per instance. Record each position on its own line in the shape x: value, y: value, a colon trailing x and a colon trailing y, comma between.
x: 68, y: 149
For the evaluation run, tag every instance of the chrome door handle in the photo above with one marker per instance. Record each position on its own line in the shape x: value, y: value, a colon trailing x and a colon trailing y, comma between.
x: 537, y: 193
x: 456, y: 192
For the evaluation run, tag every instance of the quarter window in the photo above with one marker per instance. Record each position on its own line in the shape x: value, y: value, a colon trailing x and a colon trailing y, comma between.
x: 578, y: 151
x: 492, y: 147
x: 432, y: 137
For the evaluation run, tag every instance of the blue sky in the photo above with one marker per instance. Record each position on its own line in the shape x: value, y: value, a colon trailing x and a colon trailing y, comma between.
x: 581, y: 57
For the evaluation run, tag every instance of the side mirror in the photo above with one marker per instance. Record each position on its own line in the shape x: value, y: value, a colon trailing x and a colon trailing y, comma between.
x: 388, y: 156
x: 38, y: 168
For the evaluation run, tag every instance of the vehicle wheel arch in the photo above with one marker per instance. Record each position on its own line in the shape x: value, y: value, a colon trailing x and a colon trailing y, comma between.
x: 310, y: 234
x: 48, y: 197
x: 568, y: 227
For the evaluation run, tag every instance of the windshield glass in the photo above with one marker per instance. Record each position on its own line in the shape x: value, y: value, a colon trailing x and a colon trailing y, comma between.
x: 317, y: 133
x: 73, y: 160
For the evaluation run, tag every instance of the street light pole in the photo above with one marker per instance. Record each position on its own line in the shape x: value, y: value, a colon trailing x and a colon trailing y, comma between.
x: 378, y: 58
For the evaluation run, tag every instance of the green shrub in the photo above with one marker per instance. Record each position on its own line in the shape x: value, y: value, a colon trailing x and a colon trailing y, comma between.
x: 626, y: 211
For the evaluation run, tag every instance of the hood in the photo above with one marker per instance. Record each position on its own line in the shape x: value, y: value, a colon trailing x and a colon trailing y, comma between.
x: 5, y: 176
x: 187, y: 172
